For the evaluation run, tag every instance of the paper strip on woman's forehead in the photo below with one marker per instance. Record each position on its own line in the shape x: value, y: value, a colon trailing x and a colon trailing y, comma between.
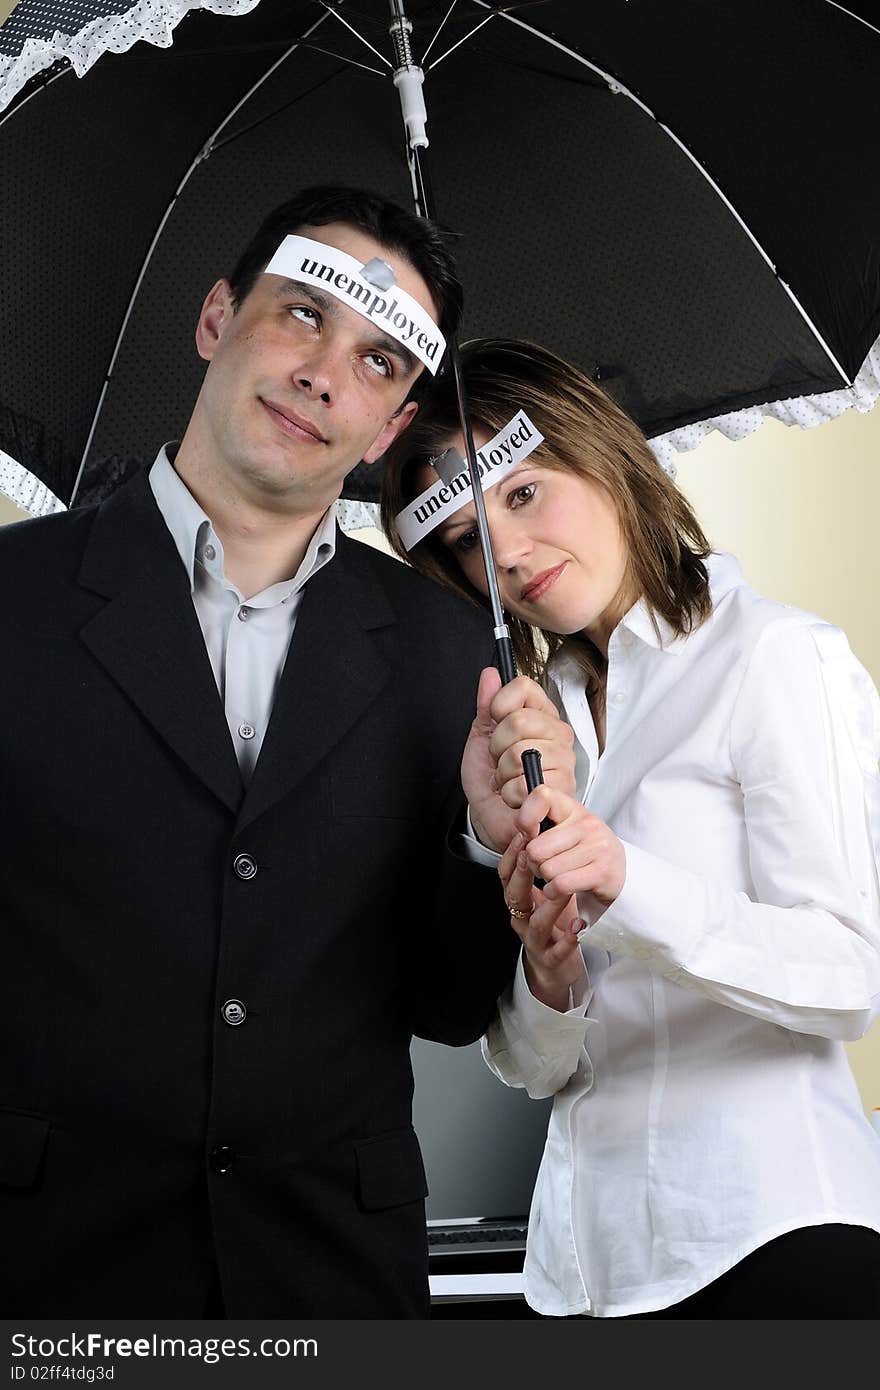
x: 394, y: 311
x: 506, y: 451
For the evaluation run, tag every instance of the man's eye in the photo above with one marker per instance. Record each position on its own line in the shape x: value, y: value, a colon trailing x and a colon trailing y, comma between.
x: 305, y: 314
x: 378, y: 364
x: 468, y: 540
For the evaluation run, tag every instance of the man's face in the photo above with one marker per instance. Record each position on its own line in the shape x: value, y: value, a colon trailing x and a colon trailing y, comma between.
x: 300, y: 386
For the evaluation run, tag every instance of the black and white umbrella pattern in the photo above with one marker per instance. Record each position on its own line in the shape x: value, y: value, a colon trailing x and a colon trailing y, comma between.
x: 678, y: 196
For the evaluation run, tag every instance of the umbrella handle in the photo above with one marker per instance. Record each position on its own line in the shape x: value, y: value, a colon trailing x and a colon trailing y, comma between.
x: 531, y: 764
x: 506, y: 661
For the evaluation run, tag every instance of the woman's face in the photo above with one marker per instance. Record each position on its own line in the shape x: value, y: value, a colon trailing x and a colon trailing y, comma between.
x: 559, y: 551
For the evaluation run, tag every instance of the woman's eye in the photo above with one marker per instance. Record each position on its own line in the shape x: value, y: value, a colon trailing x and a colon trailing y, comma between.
x: 305, y: 314
x: 379, y: 364
x: 523, y: 494
x: 468, y: 540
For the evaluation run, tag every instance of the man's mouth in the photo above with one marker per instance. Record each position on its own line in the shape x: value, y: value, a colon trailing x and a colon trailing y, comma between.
x: 539, y: 585
x: 295, y: 425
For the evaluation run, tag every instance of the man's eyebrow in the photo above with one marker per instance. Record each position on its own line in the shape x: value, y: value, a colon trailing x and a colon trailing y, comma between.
x: 395, y: 349
x: 327, y: 303
x: 330, y: 306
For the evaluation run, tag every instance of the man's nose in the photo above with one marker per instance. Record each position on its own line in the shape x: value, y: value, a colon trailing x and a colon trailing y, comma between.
x: 317, y: 373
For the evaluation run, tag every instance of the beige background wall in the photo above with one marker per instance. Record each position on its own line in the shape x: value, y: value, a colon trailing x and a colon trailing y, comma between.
x: 800, y: 508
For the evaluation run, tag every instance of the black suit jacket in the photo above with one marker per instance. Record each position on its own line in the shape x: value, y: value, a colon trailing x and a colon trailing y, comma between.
x: 145, y: 1141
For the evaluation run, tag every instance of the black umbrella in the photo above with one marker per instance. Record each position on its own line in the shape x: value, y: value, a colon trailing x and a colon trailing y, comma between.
x: 678, y: 196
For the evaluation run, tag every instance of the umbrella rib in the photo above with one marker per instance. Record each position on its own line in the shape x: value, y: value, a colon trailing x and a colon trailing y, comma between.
x: 867, y: 23
x: 53, y: 77
x: 467, y: 36
x: 341, y: 58
x: 756, y: 243
x: 357, y: 34
x: 618, y: 87
x: 438, y: 32
x: 204, y: 153
x: 285, y: 106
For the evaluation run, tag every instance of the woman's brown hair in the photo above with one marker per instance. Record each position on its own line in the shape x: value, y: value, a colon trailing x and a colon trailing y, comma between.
x: 584, y: 431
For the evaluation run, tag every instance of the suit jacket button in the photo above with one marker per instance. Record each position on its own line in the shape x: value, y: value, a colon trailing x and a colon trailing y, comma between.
x: 234, y: 1012
x: 222, y: 1158
x: 243, y: 866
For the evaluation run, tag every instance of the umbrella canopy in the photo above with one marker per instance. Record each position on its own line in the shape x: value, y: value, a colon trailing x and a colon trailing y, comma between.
x: 679, y: 197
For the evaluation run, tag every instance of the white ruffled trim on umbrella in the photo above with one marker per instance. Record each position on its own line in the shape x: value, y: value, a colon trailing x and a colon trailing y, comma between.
x: 353, y: 516
x: 804, y: 411
x: 25, y: 490
x: 152, y: 21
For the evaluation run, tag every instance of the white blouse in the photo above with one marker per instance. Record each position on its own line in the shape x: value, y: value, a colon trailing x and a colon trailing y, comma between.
x: 703, y: 1099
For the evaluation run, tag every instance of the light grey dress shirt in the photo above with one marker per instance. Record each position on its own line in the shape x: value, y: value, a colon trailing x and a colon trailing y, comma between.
x: 247, y: 640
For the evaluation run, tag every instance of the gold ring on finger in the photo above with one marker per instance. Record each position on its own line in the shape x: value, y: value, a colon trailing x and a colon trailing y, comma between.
x: 522, y: 914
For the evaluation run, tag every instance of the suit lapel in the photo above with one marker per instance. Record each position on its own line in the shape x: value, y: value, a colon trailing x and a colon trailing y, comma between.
x: 148, y: 639
x: 333, y: 672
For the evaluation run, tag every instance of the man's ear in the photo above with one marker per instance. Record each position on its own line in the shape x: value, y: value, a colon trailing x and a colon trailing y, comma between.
x: 391, y: 430
x: 216, y: 312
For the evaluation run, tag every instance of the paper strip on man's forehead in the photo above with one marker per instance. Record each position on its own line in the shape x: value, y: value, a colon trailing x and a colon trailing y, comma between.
x: 393, y: 310
x: 506, y: 451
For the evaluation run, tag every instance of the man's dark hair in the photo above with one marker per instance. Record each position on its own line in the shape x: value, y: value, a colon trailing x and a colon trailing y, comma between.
x: 424, y: 244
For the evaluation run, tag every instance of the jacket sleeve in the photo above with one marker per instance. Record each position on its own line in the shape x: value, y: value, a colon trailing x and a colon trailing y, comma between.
x: 803, y: 951
x: 463, y: 949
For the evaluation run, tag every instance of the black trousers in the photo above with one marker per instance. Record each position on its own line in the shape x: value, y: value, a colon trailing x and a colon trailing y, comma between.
x: 817, y: 1272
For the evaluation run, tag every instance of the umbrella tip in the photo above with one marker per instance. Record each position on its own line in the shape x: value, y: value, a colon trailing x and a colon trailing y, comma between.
x: 378, y: 273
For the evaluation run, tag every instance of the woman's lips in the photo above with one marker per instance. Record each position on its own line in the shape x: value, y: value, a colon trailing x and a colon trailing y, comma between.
x: 537, y: 587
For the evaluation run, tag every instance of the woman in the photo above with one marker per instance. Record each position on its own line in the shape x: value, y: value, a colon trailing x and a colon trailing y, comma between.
x: 709, y: 931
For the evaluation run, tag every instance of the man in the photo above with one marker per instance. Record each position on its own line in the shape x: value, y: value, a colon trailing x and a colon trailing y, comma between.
x: 230, y: 760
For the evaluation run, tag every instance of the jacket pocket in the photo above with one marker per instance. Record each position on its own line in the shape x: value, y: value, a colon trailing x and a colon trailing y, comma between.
x: 390, y: 1170
x: 23, y: 1140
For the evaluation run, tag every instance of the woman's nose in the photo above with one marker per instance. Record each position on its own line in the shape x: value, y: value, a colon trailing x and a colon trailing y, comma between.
x: 510, y: 543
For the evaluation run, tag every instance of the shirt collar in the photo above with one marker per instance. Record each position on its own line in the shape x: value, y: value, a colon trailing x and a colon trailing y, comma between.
x: 191, y: 528
x: 180, y: 511
x: 725, y: 575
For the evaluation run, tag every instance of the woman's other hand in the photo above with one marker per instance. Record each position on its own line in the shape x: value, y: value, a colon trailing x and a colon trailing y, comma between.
x: 578, y: 854
x: 548, y: 930
x: 511, y: 718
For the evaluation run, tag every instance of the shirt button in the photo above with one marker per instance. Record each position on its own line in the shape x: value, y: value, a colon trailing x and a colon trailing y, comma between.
x: 222, y: 1158
x: 243, y: 866
x: 243, y: 614
x: 618, y: 698
x: 246, y: 731
x: 234, y: 1012
x: 209, y: 552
